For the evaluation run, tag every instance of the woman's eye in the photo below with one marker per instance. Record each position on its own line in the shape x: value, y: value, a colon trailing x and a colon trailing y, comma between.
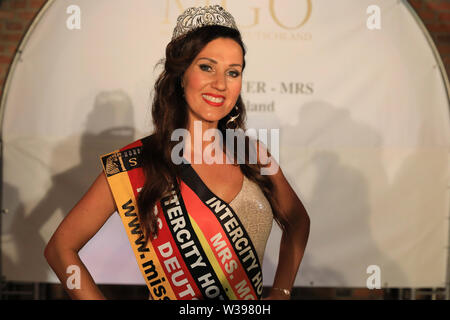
x: 234, y: 74
x: 205, y: 67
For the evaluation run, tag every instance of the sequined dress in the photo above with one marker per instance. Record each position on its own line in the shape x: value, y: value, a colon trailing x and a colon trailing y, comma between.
x: 255, y: 213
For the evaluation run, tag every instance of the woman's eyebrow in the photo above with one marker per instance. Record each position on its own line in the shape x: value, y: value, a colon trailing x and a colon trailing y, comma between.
x: 215, y: 62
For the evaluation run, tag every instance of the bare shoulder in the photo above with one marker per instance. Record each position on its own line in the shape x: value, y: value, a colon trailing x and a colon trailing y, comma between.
x: 87, y: 216
x: 289, y: 204
x: 99, y: 195
x: 265, y: 158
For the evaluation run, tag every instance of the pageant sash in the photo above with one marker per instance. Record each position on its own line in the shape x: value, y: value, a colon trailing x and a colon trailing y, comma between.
x: 202, y: 250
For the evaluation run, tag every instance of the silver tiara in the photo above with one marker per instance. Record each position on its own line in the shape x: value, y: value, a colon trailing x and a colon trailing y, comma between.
x: 196, y: 17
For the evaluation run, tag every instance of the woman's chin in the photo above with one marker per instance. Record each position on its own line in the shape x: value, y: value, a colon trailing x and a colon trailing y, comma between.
x: 211, y: 118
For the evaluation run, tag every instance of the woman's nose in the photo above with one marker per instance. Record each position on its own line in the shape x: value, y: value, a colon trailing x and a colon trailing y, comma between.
x: 220, y: 82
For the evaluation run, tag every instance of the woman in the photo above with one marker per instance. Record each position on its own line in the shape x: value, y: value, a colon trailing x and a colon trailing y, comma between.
x: 198, y: 228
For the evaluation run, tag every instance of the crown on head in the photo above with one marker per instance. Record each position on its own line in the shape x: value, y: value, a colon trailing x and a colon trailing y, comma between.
x: 197, y: 17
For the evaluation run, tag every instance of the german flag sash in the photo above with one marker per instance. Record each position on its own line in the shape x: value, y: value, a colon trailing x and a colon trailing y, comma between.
x: 202, y: 250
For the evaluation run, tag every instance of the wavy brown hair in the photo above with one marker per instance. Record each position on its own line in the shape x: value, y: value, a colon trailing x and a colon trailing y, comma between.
x: 170, y: 112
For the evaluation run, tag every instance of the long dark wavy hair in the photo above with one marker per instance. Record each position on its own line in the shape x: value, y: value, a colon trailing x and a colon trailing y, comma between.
x: 170, y: 112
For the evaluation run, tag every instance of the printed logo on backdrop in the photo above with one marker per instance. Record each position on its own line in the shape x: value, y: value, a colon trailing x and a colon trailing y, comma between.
x: 282, y: 88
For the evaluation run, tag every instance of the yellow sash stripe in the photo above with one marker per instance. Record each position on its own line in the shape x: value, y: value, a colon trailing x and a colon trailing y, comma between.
x: 123, y: 191
x: 212, y: 259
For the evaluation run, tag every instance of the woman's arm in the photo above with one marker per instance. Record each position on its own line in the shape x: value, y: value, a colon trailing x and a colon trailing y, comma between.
x: 294, y: 238
x: 80, y: 225
x: 296, y: 224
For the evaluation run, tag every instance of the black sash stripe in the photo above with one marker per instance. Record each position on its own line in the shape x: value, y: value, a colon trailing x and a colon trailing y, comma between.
x: 191, y: 250
x: 193, y: 180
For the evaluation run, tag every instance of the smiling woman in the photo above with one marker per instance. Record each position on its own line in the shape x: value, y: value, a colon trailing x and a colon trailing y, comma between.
x: 212, y: 83
x: 198, y: 231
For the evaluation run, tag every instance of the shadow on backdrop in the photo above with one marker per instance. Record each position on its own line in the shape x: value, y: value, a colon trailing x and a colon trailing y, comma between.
x: 109, y: 126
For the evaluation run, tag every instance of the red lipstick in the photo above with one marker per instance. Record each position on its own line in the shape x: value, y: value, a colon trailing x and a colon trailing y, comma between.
x: 218, y: 101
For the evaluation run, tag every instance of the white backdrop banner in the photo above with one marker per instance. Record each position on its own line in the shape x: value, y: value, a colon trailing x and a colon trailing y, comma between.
x: 362, y: 112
